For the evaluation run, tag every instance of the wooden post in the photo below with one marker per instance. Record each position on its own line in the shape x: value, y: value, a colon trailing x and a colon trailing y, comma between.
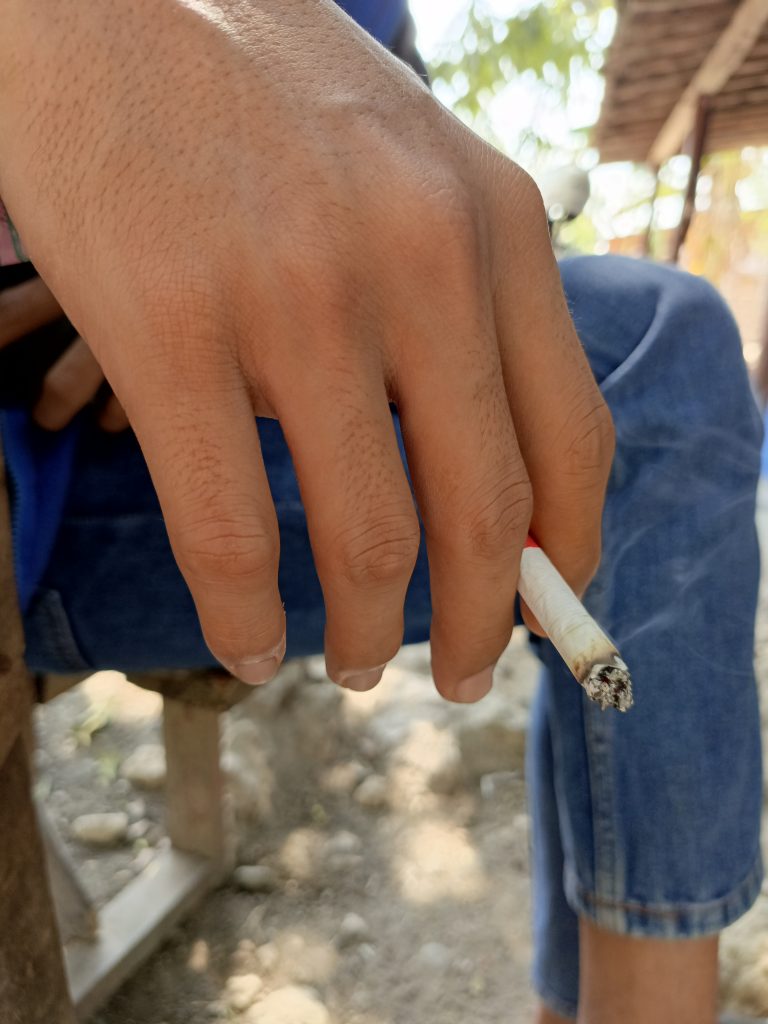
x: 761, y: 370
x: 698, y: 142
x: 198, y: 813
x: 33, y: 987
x: 645, y: 247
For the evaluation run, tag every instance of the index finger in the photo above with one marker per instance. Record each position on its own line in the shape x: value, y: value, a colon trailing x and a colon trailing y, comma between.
x: 24, y: 308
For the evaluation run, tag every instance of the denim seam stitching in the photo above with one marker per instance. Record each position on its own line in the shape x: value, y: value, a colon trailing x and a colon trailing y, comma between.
x: 731, y: 902
x: 598, y: 730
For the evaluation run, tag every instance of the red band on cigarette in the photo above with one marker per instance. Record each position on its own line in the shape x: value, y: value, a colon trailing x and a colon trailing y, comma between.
x: 530, y: 542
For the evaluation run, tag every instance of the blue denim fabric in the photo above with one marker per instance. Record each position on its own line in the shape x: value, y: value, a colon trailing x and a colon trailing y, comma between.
x: 382, y: 18
x: 646, y: 823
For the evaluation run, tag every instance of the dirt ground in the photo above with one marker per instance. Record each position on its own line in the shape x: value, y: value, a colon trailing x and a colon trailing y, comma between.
x: 394, y: 834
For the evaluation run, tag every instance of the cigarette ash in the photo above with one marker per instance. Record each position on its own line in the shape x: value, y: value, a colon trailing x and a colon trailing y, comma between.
x: 610, y: 686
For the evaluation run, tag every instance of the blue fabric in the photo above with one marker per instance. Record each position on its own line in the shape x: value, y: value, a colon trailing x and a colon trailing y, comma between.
x: 39, y: 467
x: 382, y: 18
x: 646, y: 823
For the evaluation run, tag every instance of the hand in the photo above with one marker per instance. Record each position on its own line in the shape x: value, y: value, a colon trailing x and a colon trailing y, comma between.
x: 75, y: 378
x: 273, y: 215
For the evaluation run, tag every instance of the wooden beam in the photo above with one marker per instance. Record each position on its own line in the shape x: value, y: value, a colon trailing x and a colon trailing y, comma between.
x: 699, y: 141
x: 725, y: 57
x: 132, y: 926
x: 75, y: 913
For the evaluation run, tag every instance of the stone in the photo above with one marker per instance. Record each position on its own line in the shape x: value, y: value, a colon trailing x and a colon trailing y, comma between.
x: 343, y: 852
x: 302, y: 854
x: 373, y: 793
x: 344, y: 842
x: 342, y: 778
x: 136, y: 809
x: 353, y: 930
x: 138, y: 830
x: 367, y: 952
x: 122, y: 877
x: 415, y: 658
x: 430, y: 756
x: 491, y: 736
x: 242, y: 991
x: 305, y: 958
x: 246, y: 763
x: 744, y: 963
x: 107, y: 829
x: 256, y: 878
x: 314, y: 667
x: 293, y: 1004
x: 143, y: 859
x: 145, y: 766
x: 499, y: 784
x: 268, y: 956
x: 271, y: 700
x: 317, y: 721
x: 434, y: 956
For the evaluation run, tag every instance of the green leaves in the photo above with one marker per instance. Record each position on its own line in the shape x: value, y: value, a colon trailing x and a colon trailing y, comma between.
x: 548, y: 40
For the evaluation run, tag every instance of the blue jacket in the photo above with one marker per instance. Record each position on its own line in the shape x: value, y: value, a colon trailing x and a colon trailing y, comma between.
x: 382, y: 18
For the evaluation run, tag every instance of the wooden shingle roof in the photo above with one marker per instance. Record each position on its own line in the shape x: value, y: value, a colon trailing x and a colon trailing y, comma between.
x: 668, y: 54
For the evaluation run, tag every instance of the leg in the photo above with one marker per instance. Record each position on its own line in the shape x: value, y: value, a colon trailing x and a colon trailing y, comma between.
x: 547, y: 1016
x: 638, y: 981
x: 657, y: 812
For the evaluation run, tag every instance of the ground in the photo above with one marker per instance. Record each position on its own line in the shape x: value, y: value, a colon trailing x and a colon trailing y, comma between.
x: 394, y: 834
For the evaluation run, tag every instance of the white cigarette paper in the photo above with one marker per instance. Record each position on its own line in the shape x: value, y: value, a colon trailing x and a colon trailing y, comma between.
x: 587, y: 651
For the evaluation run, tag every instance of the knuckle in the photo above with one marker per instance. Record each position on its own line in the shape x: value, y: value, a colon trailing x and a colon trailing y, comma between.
x: 441, y: 218
x: 592, y: 440
x: 216, y: 549
x: 380, y: 552
x: 492, y: 526
x: 527, y: 193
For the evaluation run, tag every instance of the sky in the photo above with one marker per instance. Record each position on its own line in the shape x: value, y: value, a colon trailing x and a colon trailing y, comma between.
x: 434, y: 19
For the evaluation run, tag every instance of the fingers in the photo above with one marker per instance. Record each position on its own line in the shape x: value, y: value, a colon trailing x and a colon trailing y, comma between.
x: 199, y: 436
x: 472, y: 489
x: 24, y: 308
x: 70, y: 384
x: 562, y: 423
x: 112, y: 417
x: 360, y: 512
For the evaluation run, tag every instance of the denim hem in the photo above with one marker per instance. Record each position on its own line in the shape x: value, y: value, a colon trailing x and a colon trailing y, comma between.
x: 552, y: 1001
x: 667, y: 920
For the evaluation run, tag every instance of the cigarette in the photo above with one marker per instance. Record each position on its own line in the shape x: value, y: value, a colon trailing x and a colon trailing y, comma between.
x: 587, y: 651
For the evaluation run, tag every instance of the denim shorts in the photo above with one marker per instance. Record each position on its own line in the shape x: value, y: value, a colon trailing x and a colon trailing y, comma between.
x: 646, y: 823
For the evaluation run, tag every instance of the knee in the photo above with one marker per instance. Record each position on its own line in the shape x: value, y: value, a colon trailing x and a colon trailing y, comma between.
x: 630, y: 310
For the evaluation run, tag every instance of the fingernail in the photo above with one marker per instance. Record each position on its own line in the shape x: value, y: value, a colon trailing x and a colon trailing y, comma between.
x: 473, y: 689
x: 260, y: 669
x: 361, y: 682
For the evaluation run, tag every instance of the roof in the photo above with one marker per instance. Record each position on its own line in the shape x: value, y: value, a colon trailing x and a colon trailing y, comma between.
x: 668, y: 53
